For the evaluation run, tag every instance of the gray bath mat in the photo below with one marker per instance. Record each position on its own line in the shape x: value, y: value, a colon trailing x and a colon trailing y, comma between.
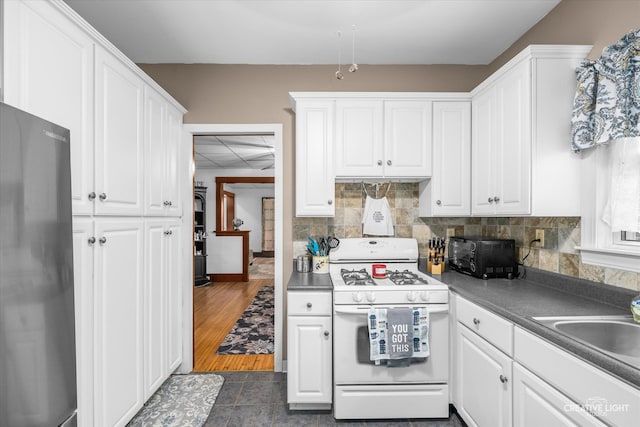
x: 182, y: 401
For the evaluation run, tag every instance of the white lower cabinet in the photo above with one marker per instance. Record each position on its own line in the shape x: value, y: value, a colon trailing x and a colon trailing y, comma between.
x: 118, y: 320
x: 584, y: 386
x: 108, y: 258
x: 504, y: 375
x: 128, y: 313
x: 483, y: 381
x: 162, y: 301
x: 309, y: 348
x: 536, y: 403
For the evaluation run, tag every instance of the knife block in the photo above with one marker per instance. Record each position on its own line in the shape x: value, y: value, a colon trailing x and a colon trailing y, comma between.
x: 436, y: 268
x: 432, y: 267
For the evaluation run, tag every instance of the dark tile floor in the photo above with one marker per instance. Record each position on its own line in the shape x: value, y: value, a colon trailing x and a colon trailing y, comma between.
x: 253, y: 398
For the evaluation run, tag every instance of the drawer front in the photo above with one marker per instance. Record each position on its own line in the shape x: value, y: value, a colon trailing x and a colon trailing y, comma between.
x: 308, y: 303
x: 491, y: 327
x: 611, y: 400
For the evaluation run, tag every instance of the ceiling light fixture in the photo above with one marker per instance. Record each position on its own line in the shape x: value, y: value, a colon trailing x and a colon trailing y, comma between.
x: 354, y: 67
x: 339, y: 74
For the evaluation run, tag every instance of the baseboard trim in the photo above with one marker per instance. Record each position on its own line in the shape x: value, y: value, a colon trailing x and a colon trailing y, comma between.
x: 264, y: 254
x: 239, y: 277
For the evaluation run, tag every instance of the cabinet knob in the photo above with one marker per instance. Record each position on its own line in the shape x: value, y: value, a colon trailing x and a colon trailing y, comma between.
x: 165, y: 203
x: 168, y: 232
x: 103, y: 196
x: 497, y: 199
x: 379, y: 162
x: 438, y: 202
x: 103, y: 240
x: 326, y: 333
x: 503, y: 379
x: 92, y: 196
x: 329, y: 202
x: 490, y: 200
x: 389, y: 162
x: 309, y: 305
x: 91, y: 240
x: 170, y: 203
x: 476, y: 321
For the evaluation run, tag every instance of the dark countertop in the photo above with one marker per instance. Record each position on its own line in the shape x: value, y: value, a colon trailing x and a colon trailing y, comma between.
x: 540, y: 294
x: 548, y: 294
x: 309, y: 282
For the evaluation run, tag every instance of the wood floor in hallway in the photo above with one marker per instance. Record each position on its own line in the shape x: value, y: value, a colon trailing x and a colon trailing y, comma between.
x: 216, y: 309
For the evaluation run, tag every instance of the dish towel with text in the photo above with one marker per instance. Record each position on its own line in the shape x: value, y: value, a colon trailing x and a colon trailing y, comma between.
x: 398, y: 333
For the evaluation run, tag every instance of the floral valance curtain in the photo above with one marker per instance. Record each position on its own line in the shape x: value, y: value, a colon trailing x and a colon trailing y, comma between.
x: 606, y: 112
x: 607, y: 100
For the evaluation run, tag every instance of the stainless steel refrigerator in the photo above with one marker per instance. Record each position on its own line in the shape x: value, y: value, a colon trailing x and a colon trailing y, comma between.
x: 37, y: 338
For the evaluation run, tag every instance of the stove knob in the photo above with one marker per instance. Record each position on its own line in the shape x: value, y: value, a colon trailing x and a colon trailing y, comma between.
x: 425, y: 296
x: 371, y: 297
x: 357, y: 297
x: 411, y: 296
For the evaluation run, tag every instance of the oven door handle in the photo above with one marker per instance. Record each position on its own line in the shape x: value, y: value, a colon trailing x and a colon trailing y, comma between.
x: 443, y: 309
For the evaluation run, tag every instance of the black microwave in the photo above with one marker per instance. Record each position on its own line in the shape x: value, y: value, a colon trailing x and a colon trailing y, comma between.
x: 484, y: 258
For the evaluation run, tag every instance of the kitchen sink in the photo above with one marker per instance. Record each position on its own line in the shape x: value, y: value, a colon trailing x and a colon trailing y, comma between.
x: 618, y: 336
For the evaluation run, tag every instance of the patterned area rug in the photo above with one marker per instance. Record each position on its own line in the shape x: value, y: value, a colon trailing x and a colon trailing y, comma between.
x: 181, y: 401
x: 253, y: 332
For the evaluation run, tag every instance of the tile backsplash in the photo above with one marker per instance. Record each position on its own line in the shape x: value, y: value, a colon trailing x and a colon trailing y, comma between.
x: 561, y: 234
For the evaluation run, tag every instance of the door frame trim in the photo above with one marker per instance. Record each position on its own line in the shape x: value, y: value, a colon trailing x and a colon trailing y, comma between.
x: 268, y: 128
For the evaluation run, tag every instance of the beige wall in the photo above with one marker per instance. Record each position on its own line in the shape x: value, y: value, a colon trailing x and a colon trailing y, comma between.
x: 259, y: 94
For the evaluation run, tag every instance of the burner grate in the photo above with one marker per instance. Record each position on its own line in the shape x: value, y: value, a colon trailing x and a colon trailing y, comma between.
x: 356, y: 277
x: 405, y: 277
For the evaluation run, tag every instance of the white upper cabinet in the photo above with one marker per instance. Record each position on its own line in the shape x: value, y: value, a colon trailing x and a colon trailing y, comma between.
x: 407, y: 139
x: 448, y: 191
x: 162, y: 135
x: 48, y: 72
x: 315, y: 179
x: 171, y: 182
x: 63, y: 71
x: 119, y: 137
x: 502, y: 145
x: 359, y: 151
x: 383, y: 138
x: 521, y: 133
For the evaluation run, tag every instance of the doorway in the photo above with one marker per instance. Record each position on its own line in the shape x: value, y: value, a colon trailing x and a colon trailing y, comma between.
x: 277, y: 283
x: 228, y: 209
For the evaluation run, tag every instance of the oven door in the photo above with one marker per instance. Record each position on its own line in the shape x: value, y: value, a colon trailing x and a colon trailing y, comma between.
x: 351, y: 349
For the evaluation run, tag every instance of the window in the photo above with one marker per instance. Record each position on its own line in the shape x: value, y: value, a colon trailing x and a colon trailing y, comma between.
x: 600, y: 244
x: 629, y: 236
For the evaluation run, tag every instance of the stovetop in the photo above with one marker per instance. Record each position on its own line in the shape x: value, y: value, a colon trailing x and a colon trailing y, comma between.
x: 403, y: 284
x: 361, y: 277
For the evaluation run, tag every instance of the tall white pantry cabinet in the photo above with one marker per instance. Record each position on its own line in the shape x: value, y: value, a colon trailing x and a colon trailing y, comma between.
x: 127, y: 213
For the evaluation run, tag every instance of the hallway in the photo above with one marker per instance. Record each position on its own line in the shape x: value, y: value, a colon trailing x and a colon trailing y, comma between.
x: 216, y: 309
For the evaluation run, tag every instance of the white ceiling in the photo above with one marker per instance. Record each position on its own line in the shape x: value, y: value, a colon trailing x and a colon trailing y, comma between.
x: 306, y: 31
x: 234, y: 152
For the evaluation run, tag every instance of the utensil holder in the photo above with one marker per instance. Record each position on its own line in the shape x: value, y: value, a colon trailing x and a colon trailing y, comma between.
x: 320, y: 264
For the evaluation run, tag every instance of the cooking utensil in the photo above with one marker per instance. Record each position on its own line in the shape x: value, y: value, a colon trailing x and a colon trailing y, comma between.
x: 333, y: 243
x: 314, y: 246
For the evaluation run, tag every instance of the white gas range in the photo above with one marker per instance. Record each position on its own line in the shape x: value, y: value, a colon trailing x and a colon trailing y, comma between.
x: 362, y: 388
